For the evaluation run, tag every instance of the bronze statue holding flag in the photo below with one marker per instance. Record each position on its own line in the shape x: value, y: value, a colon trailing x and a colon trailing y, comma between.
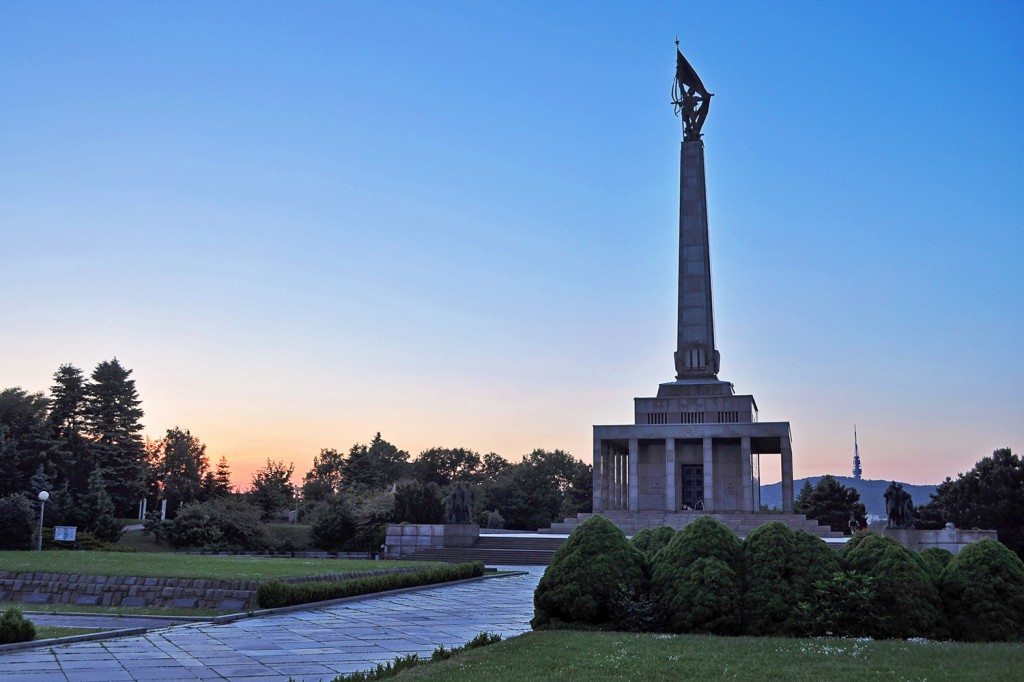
x: 689, y: 96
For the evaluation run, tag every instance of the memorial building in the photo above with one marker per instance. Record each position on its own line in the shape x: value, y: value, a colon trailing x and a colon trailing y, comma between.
x: 697, y: 445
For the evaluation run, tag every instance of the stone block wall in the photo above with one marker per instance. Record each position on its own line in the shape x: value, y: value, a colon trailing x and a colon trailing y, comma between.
x: 100, y: 590
x: 189, y: 593
x: 953, y: 539
x: 403, y: 539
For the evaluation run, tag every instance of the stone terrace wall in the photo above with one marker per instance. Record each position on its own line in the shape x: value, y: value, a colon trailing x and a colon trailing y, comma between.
x: 190, y: 593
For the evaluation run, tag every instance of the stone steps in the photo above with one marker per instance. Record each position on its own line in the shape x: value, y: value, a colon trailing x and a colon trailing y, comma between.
x: 740, y: 522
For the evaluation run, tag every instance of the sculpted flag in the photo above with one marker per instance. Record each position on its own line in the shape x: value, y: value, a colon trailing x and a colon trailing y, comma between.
x: 686, y: 76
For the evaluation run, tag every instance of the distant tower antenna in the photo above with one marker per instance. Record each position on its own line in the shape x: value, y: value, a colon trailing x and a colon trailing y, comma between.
x: 856, y: 455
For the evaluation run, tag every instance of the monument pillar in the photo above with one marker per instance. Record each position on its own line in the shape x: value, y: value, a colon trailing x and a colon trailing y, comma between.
x: 598, y: 505
x: 634, y: 474
x: 787, y: 476
x: 709, y: 475
x: 695, y: 356
x: 671, y: 506
x: 745, y: 470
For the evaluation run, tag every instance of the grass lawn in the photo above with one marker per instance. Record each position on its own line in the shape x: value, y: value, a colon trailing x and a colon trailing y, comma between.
x: 169, y: 565
x: 48, y: 631
x: 594, y: 656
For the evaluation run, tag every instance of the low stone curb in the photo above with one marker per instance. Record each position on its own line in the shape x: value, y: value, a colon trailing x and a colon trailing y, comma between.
x: 232, y: 617
x: 195, y: 619
x: 57, y: 641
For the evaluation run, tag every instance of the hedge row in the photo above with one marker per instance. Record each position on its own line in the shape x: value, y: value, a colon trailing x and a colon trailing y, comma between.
x: 778, y: 582
x: 275, y: 593
x: 14, y: 627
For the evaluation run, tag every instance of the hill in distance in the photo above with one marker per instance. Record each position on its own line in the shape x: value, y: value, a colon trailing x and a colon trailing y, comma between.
x: 871, y: 492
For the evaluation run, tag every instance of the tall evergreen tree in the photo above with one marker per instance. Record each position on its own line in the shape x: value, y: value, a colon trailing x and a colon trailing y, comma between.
x: 25, y: 440
x: 272, y: 488
x: 323, y: 480
x: 113, y: 417
x: 375, y: 466
x: 73, y: 459
x: 97, y: 510
x: 222, y: 477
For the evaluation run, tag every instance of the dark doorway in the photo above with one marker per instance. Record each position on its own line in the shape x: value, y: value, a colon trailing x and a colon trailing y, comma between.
x: 693, y: 485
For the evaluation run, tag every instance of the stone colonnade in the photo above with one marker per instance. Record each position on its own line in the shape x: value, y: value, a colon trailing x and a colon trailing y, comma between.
x: 617, y: 480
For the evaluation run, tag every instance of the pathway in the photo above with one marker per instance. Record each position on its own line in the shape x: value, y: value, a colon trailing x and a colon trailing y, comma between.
x: 314, y: 644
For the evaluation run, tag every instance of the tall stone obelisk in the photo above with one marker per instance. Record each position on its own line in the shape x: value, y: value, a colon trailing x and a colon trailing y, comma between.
x: 696, y: 356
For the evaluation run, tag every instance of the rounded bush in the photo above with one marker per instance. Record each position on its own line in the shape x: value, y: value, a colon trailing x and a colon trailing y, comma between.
x: 194, y: 526
x: 982, y: 590
x: 769, y: 597
x: 231, y: 524
x: 18, y: 520
x: 936, y: 559
x: 813, y: 561
x: 14, y: 627
x: 700, y: 595
x: 650, y: 541
x: 907, y: 602
x: 587, y: 573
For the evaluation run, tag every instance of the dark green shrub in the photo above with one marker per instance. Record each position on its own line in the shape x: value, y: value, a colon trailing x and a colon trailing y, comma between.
x: 222, y: 524
x: 332, y: 524
x: 586, y: 573
x: 813, y: 561
x: 936, y: 559
x: 982, y: 590
x: 14, y: 627
x: 18, y: 520
x: 372, y: 514
x: 907, y: 602
x: 841, y: 605
x: 697, y: 576
x: 418, y: 502
x: 84, y: 540
x: 769, y: 597
x: 637, y: 610
x: 275, y: 593
x: 239, y: 524
x: 650, y: 541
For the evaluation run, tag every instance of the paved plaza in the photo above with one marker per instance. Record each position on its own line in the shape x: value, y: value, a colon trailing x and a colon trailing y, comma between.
x: 313, y: 644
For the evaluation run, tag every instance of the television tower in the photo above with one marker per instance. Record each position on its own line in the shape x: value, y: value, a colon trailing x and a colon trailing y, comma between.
x: 856, y: 455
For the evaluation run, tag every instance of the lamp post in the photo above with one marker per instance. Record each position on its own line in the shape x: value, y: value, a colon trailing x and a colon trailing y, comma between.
x: 43, y: 497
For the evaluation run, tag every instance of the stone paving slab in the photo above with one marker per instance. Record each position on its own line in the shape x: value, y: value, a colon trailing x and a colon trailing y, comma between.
x: 312, y: 644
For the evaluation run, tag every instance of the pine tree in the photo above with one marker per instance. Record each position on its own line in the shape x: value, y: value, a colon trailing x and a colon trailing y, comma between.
x: 97, y: 509
x: 40, y: 482
x: 112, y: 415
x: 73, y: 458
x: 222, y: 478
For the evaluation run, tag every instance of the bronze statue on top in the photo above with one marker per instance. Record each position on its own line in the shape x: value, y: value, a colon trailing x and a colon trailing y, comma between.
x: 459, y: 505
x: 899, y: 507
x: 690, y: 98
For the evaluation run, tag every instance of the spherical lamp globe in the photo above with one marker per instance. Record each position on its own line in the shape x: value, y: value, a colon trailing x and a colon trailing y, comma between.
x: 43, y: 496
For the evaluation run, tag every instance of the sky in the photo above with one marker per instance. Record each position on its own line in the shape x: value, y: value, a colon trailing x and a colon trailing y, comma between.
x: 456, y: 223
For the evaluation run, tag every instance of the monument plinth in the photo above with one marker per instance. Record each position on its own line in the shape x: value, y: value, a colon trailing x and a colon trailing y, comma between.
x: 697, y: 445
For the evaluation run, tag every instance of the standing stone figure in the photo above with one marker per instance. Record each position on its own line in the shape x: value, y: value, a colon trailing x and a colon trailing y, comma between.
x: 899, y: 507
x: 458, y: 507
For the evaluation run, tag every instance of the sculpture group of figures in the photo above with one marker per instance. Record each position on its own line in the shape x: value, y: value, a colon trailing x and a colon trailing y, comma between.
x: 899, y: 508
x: 459, y: 505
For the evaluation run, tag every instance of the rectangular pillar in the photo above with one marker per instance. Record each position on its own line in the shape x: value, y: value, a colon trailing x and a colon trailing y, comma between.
x: 787, y: 476
x: 671, y: 505
x: 634, y: 474
x: 745, y: 468
x: 709, y: 476
x: 598, y: 504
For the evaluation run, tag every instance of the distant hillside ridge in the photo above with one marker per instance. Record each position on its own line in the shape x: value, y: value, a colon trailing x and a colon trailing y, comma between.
x: 871, y: 492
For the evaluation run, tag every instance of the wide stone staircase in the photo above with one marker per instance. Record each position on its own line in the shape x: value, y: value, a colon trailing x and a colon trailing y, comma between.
x: 741, y: 523
x: 535, y: 550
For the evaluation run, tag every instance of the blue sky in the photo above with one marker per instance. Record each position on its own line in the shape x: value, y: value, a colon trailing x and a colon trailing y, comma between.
x: 455, y: 223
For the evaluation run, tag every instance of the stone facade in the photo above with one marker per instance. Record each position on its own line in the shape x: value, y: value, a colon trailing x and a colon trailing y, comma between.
x: 953, y: 539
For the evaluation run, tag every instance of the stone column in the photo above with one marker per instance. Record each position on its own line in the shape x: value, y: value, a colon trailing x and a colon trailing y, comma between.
x: 709, y: 476
x: 671, y: 505
x: 787, y: 476
x: 598, y: 500
x: 634, y: 474
x: 745, y: 468
x: 613, y: 477
x: 618, y: 480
